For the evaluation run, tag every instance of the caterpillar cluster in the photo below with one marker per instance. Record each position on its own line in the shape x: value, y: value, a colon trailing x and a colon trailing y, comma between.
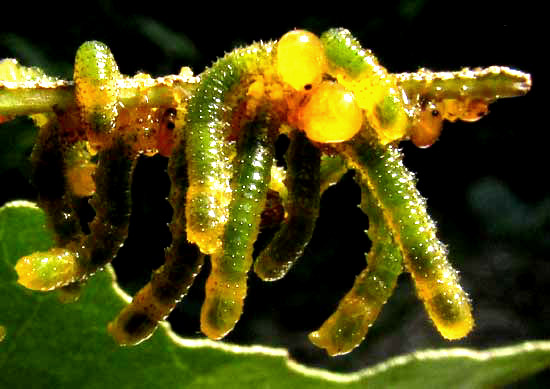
x: 340, y: 109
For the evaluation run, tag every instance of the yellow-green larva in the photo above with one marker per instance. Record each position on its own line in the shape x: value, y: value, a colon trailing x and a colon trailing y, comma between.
x: 381, y: 170
x: 302, y: 206
x: 346, y: 328
x: 226, y: 284
x: 219, y: 130
x: 96, y: 78
x: 209, y: 149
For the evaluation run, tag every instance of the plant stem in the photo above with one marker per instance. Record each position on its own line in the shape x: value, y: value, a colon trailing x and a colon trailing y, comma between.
x: 26, y: 98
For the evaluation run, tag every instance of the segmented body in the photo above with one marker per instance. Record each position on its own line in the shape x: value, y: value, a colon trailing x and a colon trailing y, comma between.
x: 302, y: 207
x: 341, y: 110
x: 209, y: 148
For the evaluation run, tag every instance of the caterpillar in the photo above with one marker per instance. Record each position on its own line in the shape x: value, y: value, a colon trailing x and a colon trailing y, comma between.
x: 340, y: 109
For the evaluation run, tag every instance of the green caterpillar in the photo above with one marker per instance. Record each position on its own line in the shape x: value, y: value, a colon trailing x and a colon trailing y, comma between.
x: 340, y: 110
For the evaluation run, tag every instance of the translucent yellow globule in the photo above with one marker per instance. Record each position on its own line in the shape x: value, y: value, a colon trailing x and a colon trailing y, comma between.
x: 331, y: 115
x: 427, y: 127
x: 384, y: 107
x: 301, y: 59
x: 47, y: 270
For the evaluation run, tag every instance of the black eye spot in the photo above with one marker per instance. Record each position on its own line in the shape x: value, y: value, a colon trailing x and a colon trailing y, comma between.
x: 423, y: 102
x: 307, y: 87
x: 435, y: 113
x: 170, y: 113
x: 169, y: 117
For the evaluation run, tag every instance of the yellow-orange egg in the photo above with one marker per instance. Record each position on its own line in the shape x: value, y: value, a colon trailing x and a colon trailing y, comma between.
x: 301, y: 59
x: 331, y: 115
x: 427, y: 128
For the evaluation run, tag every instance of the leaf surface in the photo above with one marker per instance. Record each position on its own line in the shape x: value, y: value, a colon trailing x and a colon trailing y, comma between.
x: 48, y: 344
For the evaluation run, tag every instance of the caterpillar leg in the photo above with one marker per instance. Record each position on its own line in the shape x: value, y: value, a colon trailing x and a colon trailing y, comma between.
x: 169, y: 283
x: 303, y: 182
x: 382, y: 171
x: 226, y: 284
x: 346, y: 328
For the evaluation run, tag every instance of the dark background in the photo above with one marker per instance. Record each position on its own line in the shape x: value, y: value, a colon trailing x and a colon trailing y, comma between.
x: 486, y: 183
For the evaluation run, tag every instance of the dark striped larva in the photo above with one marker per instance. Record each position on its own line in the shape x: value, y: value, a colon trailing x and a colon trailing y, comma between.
x: 340, y: 109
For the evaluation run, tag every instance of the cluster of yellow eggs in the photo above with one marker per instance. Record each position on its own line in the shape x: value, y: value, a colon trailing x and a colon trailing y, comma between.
x: 329, y: 112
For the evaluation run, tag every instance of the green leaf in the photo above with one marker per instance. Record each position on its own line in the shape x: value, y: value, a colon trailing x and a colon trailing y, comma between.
x: 52, y: 345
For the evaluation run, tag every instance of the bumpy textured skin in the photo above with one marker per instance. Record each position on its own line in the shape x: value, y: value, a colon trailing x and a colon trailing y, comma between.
x: 303, y: 182
x: 221, y: 158
x: 169, y: 283
x: 209, y: 150
x: 48, y: 160
x: 346, y: 328
x: 112, y: 205
x: 55, y: 267
x: 183, y: 259
x: 375, y: 89
x: 96, y: 75
x: 486, y: 84
x: 382, y: 171
x: 78, y: 256
x: 226, y: 284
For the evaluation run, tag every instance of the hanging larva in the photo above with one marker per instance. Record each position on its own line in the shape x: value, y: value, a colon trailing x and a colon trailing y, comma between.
x: 302, y: 207
x: 96, y: 75
x: 341, y: 110
x: 226, y: 284
x: 78, y: 256
x: 208, y: 150
x: 346, y: 328
x: 382, y: 171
